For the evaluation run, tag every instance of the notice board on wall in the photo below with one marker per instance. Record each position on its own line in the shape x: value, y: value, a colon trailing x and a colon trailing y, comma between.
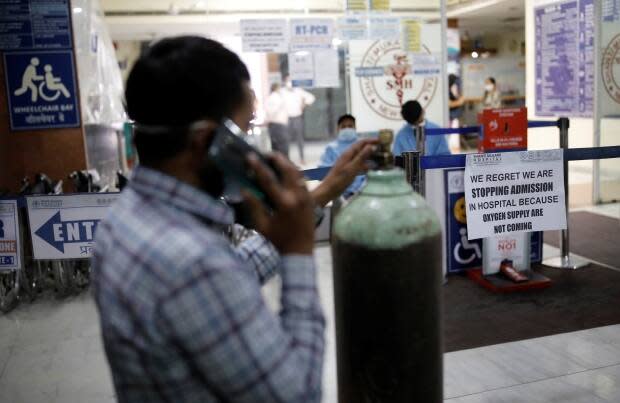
x: 564, y: 63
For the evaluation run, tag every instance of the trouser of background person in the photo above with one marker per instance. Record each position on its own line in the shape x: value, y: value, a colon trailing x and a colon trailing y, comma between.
x: 296, y: 133
x: 279, y: 137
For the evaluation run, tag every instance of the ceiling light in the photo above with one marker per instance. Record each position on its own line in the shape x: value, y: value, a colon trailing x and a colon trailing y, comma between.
x: 474, y: 54
x: 77, y: 10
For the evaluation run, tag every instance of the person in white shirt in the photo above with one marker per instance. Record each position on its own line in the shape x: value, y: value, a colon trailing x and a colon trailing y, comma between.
x: 277, y: 120
x: 296, y: 100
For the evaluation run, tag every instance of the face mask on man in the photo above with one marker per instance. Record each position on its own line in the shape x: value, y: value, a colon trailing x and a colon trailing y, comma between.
x: 347, y: 133
x: 489, y: 87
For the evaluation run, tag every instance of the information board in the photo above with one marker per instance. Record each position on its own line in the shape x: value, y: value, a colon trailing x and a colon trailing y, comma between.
x: 35, y: 24
x: 311, y: 33
x: 514, y: 192
x: 10, y: 247
x: 63, y: 227
x: 39, y: 65
x: 411, y: 35
x: 353, y: 27
x: 316, y: 69
x: 564, y: 61
x: 267, y: 36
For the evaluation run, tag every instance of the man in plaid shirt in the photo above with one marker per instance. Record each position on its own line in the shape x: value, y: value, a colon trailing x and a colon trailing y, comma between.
x: 182, y: 316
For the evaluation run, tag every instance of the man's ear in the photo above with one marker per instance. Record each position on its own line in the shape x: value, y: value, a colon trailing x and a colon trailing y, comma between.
x: 200, y: 139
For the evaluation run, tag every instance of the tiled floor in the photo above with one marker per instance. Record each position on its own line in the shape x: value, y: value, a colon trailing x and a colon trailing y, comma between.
x: 50, y: 351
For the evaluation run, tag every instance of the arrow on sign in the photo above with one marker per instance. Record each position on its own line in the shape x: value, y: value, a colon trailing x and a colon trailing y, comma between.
x: 58, y: 233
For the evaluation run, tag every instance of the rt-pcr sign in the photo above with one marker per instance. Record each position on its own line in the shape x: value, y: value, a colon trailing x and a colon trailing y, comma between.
x: 64, y: 227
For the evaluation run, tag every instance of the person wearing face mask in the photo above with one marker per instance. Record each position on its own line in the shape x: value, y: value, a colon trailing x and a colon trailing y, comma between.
x: 414, y: 115
x: 296, y: 100
x: 181, y: 311
x: 347, y: 136
x: 491, y: 97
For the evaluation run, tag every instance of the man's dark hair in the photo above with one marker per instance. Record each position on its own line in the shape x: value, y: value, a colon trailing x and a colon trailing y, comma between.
x: 411, y: 111
x: 492, y: 80
x: 179, y: 81
x: 345, y: 117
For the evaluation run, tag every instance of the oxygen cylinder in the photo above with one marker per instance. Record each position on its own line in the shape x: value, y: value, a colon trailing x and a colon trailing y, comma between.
x: 386, y: 248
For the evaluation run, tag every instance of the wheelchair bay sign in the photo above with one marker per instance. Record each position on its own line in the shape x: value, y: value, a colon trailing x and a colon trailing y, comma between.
x: 39, y: 64
x: 63, y: 227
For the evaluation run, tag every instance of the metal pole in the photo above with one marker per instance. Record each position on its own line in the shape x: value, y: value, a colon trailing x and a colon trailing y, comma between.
x: 565, y: 260
x: 420, y: 140
x: 412, y: 167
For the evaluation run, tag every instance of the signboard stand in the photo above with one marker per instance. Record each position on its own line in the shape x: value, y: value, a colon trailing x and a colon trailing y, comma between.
x: 565, y: 260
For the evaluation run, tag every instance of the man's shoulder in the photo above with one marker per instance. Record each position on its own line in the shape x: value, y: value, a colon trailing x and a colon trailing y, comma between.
x: 156, y: 236
x: 404, y: 130
x: 431, y: 125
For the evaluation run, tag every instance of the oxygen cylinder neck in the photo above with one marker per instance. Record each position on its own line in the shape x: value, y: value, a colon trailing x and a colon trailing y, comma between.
x: 383, y: 156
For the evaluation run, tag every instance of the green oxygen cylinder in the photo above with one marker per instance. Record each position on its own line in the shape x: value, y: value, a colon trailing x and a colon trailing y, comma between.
x: 386, y: 248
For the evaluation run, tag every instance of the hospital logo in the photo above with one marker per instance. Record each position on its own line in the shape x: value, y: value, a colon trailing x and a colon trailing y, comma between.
x: 387, y: 81
x: 610, y: 67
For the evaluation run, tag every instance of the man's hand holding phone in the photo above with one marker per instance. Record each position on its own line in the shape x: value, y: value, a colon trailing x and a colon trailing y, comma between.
x: 290, y: 226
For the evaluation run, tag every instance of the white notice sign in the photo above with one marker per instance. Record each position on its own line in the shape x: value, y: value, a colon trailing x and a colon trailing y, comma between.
x: 311, y: 33
x: 10, y: 248
x: 63, y: 227
x: 514, y: 192
x: 268, y: 36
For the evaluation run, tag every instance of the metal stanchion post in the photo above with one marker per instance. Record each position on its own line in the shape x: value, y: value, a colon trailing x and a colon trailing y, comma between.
x: 565, y: 260
x: 420, y: 140
x: 413, y: 170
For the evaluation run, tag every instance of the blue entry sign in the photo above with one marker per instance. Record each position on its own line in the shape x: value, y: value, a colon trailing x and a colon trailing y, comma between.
x: 461, y: 253
x: 10, y: 247
x: 41, y: 89
x: 63, y: 227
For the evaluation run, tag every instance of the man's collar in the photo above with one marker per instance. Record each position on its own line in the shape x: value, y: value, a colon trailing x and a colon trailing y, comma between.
x: 171, y: 191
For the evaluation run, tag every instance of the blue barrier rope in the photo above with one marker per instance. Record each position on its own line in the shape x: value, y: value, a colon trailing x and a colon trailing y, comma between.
x: 532, y: 124
x: 458, y: 160
x: 448, y: 130
x: 572, y: 154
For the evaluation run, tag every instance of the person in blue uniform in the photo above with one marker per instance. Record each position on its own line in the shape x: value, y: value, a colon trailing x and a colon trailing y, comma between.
x: 414, y: 114
x: 347, y: 136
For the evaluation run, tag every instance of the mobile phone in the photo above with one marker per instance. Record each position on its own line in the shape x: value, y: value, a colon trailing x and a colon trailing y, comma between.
x: 229, y: 152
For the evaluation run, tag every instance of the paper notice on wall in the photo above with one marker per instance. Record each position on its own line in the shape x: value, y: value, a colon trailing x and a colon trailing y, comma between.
x: 357, y: 5
x: 301, y: 68
x: 380, y: 5
x: 311, y: 33
x: 425, y: 65
x: 326, y: 69
x: 411, y: 35
x: 318, y: 69
x: 268, y: 36
x: 514, y: 192
x: 352, y: 28
x: 384, y: 27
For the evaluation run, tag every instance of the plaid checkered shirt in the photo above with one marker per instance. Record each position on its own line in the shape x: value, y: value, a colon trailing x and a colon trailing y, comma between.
x: 181, y: 311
